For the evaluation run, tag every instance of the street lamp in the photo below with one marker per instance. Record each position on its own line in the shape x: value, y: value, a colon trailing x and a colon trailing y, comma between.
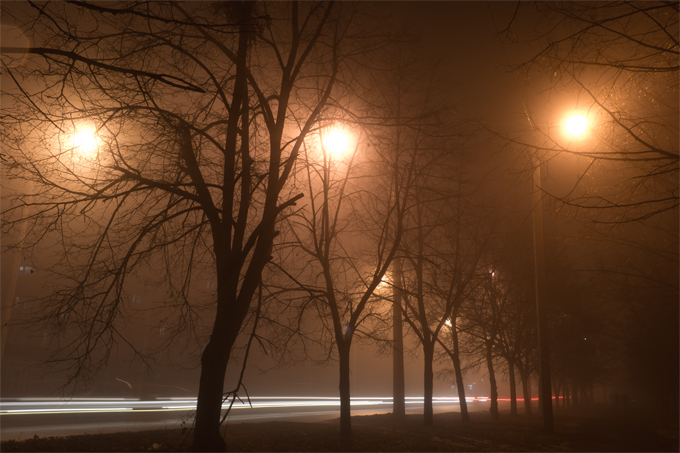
x: 85, y: 140
x: 575, y: 125
x: 336, y: 142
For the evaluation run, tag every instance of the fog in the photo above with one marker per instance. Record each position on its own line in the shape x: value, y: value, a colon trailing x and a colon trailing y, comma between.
x: 207, y: 241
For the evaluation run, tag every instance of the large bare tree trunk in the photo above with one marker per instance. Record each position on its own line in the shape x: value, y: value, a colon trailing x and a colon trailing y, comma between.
x: 213, y: 369
x: 215, y: 358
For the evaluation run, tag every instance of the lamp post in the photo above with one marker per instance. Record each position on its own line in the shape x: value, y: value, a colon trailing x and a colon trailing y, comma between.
x: 575, y: 126
x: 544, y: 386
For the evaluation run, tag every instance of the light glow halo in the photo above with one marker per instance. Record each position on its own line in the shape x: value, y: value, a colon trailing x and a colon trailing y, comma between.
x: 336, y: 142
x: 576, y: 125
x: 85, y: 140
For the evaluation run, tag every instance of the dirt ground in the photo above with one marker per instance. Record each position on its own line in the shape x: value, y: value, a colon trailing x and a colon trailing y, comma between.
x: 598, y: 428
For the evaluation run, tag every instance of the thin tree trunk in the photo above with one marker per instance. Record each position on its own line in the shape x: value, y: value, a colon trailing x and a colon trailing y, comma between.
x: 428, y: 384
x: 526, y: 390
x: 492, y: 382
x: 455, y: 358
x: 513, y: 388
x: 345, y: 409
x: 398, y: 393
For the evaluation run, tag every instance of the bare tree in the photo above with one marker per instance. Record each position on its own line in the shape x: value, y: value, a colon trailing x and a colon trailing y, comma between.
x: 484, y: 321
x: 517, y: 338
x: 161, y: 134
x: 442, y: 252
x: 348, y: 235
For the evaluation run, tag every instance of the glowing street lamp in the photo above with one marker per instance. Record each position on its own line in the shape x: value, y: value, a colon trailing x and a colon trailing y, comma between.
x: 576, y: 125
x: 85, y: 140
x: 336, y: 142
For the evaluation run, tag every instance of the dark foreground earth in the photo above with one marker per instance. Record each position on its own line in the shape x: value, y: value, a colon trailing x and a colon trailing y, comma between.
x: 595, y: 428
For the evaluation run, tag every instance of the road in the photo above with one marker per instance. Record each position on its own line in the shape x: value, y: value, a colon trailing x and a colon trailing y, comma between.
x: 21, y: 418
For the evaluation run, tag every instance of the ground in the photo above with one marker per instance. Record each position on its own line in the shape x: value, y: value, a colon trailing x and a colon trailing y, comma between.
x: 595, y: 428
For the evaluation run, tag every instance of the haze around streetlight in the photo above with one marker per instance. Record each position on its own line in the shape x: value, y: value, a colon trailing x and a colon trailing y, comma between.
x: 85, y: 140
x: 336, y: 142
x: 576, y: 125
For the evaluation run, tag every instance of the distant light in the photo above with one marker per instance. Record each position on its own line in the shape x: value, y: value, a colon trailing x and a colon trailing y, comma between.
x: 576, y: 125
x: 336, y: 142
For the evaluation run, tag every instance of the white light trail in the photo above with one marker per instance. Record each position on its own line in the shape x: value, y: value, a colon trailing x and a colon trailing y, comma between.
x: 94, y: 405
